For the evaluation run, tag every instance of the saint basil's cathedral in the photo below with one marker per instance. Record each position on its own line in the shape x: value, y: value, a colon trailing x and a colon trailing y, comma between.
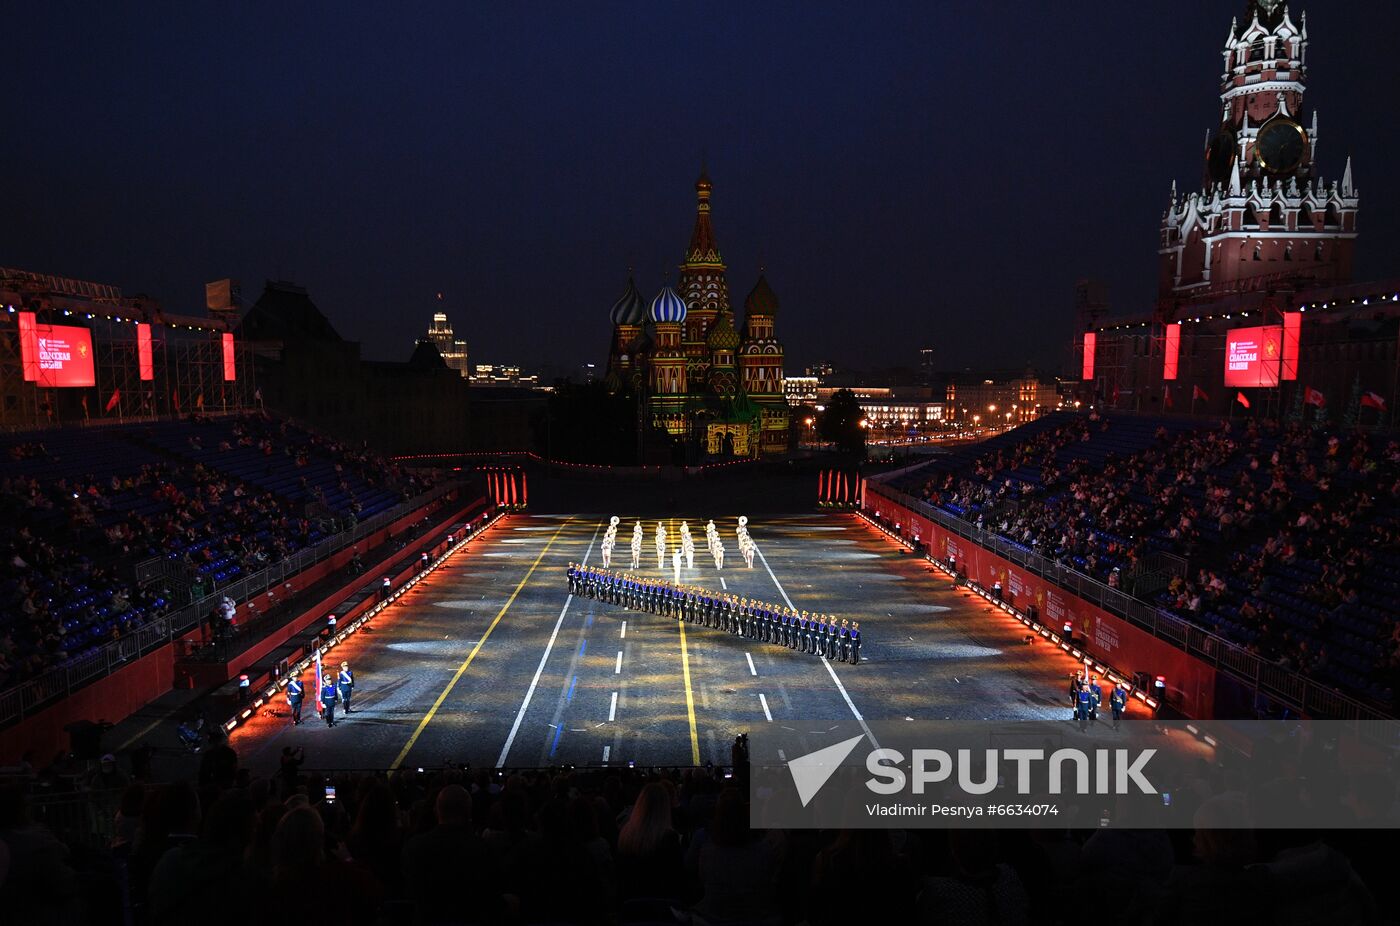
x: 699, y: 376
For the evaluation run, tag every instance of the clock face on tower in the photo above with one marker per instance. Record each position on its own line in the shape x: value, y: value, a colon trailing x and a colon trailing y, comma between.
x: 1280, y: 145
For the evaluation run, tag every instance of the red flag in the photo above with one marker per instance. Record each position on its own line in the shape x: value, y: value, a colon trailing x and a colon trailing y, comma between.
x: 317, y: 683
x: 199, y: 401
x: 1167, y: 397
x: 1240, y: 398
x: 175, y: 397
x: 85, y: 408
x: 1198, y: 393
x: 1312, y: 397
x: 116, y: 397
x: 821, y: 485
x: 1372, y: 400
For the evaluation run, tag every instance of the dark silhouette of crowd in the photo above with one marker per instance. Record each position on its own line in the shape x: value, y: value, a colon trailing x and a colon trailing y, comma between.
x: 1291, y: 534
x: 621, y: 845
x: 224, y: 497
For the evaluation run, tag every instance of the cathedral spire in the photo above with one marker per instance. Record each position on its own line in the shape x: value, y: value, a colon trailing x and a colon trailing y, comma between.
x: 703, y: 249
x: 702, y: 282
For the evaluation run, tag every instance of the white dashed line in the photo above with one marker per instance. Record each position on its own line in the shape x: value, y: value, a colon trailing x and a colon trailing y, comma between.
x: 723, y: 584
x: 624, y: 630
x: 549, y: 648
x: 612, y: 710
x: 607, y: 751
x: 618, y: 670
x: 764, y: 701
x: 752, y: 670
x: 839, y: 687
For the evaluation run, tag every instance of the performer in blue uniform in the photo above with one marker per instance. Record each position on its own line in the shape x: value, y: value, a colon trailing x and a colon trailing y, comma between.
x: 1119, y: 702
x: 346, y: 683
x: 296, y: 693
x: 328, y: 696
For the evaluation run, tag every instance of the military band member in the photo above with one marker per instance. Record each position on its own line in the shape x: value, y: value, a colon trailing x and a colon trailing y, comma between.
x: 345, y: 682
x: 296, y: 693
x: 1118, y: 701
x: 855, y: 642
x: 845, y: 639
x: 328, y: 696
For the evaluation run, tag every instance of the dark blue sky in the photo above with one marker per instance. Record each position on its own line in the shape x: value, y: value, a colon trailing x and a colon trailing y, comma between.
x: 910, y: 174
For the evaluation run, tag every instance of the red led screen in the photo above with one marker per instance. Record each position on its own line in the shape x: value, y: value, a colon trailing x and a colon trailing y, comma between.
x: 230, y: 369
x: 55, y: 356
x: 143, y: 353
x: 1171, y: 358
x: 1252, y: 356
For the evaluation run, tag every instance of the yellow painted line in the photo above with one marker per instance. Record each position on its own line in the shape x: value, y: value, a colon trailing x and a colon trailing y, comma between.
x: 689, y: 698
x: 685, y: 671
x: 432, y: 711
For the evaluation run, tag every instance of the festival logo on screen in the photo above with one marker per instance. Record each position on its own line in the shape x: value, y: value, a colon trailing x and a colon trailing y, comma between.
x: 63, y: 357
x: 1252, y: 356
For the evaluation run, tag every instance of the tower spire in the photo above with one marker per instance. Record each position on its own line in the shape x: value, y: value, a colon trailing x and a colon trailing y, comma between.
x: 702, y: 282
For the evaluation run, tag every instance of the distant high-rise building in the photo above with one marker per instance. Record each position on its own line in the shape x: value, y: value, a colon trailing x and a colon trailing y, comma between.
x: 452, y: 348
x: 926, y: 370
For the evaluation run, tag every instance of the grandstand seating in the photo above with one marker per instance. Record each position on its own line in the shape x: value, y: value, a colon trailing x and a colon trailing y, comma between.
x: 1290, y: 532
x: 221, y: 496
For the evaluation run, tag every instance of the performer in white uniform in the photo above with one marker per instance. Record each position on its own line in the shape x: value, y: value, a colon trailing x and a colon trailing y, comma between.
x: 660, y: 545
x: 637, y: 534
x: 687, y: 546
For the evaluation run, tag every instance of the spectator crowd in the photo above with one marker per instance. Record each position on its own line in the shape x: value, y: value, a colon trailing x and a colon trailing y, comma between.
x: 631, y: 846
x: 1291, y: 534
x: 220, y: 497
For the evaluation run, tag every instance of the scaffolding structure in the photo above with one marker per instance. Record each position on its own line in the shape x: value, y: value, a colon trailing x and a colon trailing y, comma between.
x: 193, y: 365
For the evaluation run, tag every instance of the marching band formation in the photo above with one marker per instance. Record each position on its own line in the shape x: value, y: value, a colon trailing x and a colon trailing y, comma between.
x: 761, y: 621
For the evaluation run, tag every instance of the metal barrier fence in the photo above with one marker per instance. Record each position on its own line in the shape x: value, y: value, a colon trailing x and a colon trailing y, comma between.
x: 79, y: 818
x: 27, y: 697
x: 1281, y: 685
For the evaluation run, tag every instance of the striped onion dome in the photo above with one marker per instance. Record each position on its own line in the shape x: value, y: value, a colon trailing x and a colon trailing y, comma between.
x: 667, y: 306
x: 630, y: 309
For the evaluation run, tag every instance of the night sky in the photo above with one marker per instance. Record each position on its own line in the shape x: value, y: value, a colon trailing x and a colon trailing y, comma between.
x: 911, y: 175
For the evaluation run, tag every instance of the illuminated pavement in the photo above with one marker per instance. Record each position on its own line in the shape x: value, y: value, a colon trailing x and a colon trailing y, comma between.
x: 490, y: 661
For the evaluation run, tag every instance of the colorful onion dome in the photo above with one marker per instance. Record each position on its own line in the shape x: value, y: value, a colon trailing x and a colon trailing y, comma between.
x: 761, y: 299
x: 630, y: 309
x: 722, y: 335
x: 667, y: 306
